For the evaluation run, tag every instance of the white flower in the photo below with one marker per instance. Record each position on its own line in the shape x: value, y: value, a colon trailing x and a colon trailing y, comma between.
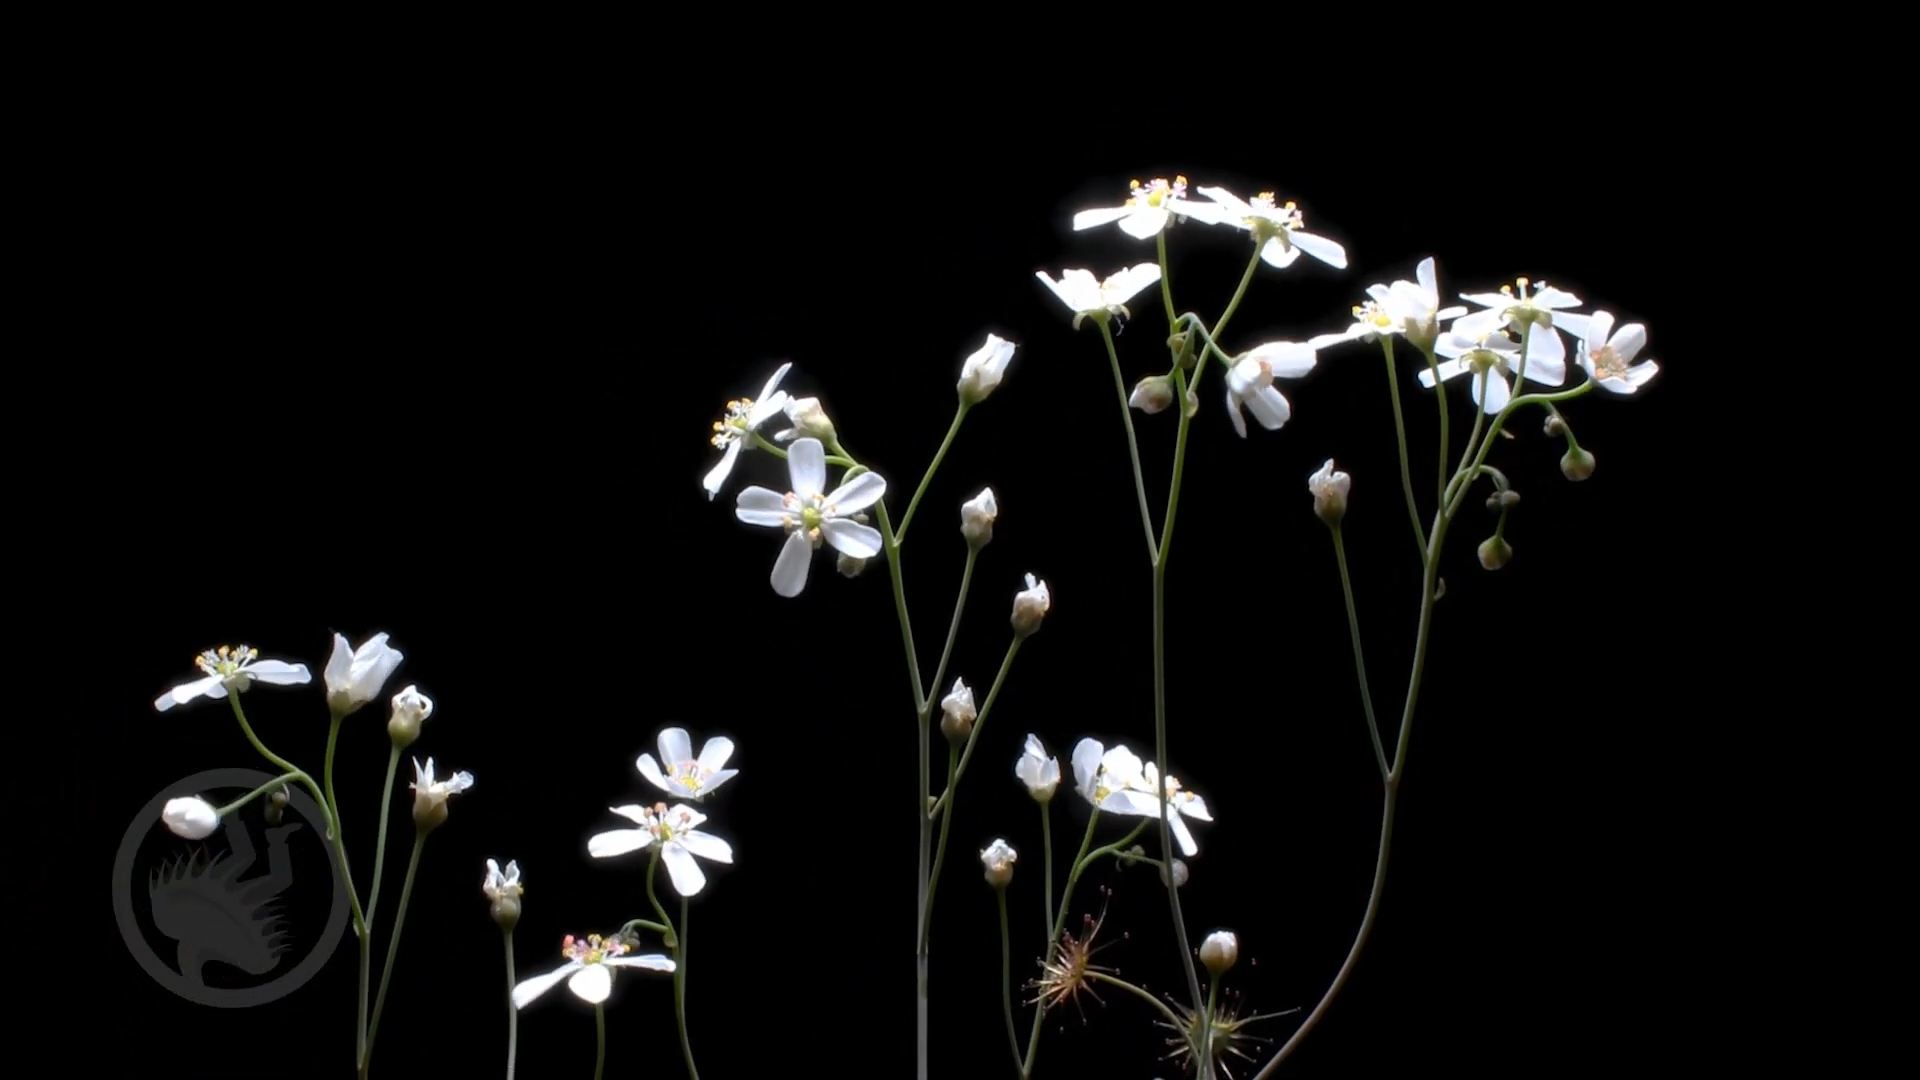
x: 743, y: 416
x: 1276, y: 228
x: 685, y: 775
x: 998, y: 858
x: 809, y: 419
x: 1030, y: 605
x: 430, y: 796
x: 1038, y: 770
x: 1405, y: 307
x: 1086, y: 296
x: 1118, y: 782
x: 808, y: 516
x: 1611, y: 365
x: 957, y: 706
x: 1181, y: 804
x: 1330, y: 487
x: 1497, y: 355
x: 232, y: 668
x: 1250, y: 383
x: 1149, y: 209
x: 410, y: 709
x: 355, y: 676
x: 590, y: 963
x: 1219, y: 952
x: 1537, y: 303
x: 500, y: 886
x: 677, y: 831
x: 981, y: 373
x: 194, y: 818
x: 977, y: 516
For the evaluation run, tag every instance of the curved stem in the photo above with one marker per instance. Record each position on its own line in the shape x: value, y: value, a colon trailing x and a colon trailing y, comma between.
x: 393, y: 946
x: 680, y: 991
x: 1400, y: 435
x: 259, y: 791
x: 599, y: 1041
x: 1123, y: 984
x: 1359, y: 658
x: 671, y: 939
x: 1133, y: 443
x: 513, y: 1014
x: 939, y: 455
x: 1006, y: 976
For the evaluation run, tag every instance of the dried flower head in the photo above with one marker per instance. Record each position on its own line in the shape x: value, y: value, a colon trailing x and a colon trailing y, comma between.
x: 1069, y: 968
x: 1229, y: 1034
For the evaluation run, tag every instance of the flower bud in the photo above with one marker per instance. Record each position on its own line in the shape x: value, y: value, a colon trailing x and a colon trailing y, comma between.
x: 410, y: 708
x: 430, y: 796
x: 1179, y: 873
x: 1181, y: 346
x: 1152, y: 394
x: 193, y: 818
x: 977, y: 516
x: 1219, y: 952
x: 276, y: 804
x: 1494, y: 553
x: 1577, y: 464
x: 354, y: 676
x: 809, y: 419
x: 1038, y: 770
x: 1030, y: 606
x: 998, y: 858
x: 1555, y: 426
x: 981, y: 373
x: 503, y: 894
x: 1503, y: 500
x: 957, y: 713
x: 850, y: 565
x: 1329, y: 487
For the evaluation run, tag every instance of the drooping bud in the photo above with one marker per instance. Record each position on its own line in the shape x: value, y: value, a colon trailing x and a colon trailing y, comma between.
x: 410, y: 709
x: 1030, y: 607
x: 1555, y: 426
x: 277, y: 804
x: 1181, y: 346
x: 1329, y: 487
x: 998, y: 858
x: 1219, y: 952
x: 977, y: 516
x: 1152, y: 394
x: 957, y: 713
x: 192, y: 818
x: 1494, y: 553
x: 1576, y: 464
x: 1503, y: 500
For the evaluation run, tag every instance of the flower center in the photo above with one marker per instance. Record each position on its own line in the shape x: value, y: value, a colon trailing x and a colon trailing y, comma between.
x: 1373, y: 315
x: 667, y: 825
x: 733, y: 425
x: 1607, y: 362
x: 691, y: 775
x: 226, y: 660
x: 593, y: 950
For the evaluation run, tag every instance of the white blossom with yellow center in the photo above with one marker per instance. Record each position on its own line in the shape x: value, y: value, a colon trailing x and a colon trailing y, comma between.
x: 677, y: 831
x: 1611, y: 363
x: 1150, y: 208
x: 233, y: 668
x: 679, y: 772
x: 809, y: 516
x: 744, y: 416
x: 588, y: 970
x: 1276, y: 227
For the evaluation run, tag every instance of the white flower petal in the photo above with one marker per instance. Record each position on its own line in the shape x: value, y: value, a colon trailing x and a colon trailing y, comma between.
x: 651, y: 770
x: 858, y: 493
x: 1287, y: 359
x: 649, y: 961
x: 716, y: 477
x: 632, y: 812
x: 675, y: 746
x: 707, y: 846
x: 766, y: 392
x: 807, y: 466
x: 1088, y: 219
x: 790, y: 569
x: 1233, y: 413
x: 685, y: 873
x: 1278, y: 255
x: 607, y: 845
x: 857, y: 540
x: 185, y: 692
x: 592, y: 983
x: 715, y: 753
x: 540, y: 984
x: 1269, y: 407
x: 1145, y: 222
x: 1320, y: 248
x: 762, y: 506
x: 1181, y: 834
x: 281, y: 673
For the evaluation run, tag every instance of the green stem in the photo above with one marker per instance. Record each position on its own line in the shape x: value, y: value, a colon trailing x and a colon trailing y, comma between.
x: 653, y: 867
x: 1080, y: 860
x: 380, y: 842
x: 680, y: 991
x: 393, y: 945
x: 1359, y: 658
x: 939, y: 455
x: 1160, y: 690
x: 1133, y: 443
x: 1400, y: 434
x: 259, y: 791
x: 646, y: 924
x: 1206, y: 1027
x: 953, y: 627
x: 1123, y: 984
x: 513, y: 1014
x: 1006, y: 976
x: 599, y: 1041
x: 1046, y: 854
x: 979, y: 722
x: 940, y: 852
x: 1433, y: 366
x: 1239, y: 294
x: 1457, y: 487
x: 1166, y: 278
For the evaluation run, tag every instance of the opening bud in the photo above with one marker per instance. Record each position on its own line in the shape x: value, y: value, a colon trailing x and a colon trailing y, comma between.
x: 1329, y: 487
x: 957, y: 713
x: 503, y: 894
x: 1152, y: 394
x: 1030, y: 607
x: 998, y: 858
x: 977, y: 516
x: 1219, y: 952
x: 850, y: 565
x: 1503, y: 500
x: 192, y: 818
x: 410, y: 709
x: 809, y: 419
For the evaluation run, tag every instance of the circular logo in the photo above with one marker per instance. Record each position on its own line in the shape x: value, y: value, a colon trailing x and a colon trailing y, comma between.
x: 230, y: 921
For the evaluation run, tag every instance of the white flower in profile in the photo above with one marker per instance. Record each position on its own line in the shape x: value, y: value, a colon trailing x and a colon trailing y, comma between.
x: 684, y: 774
x: 232, y: 668
x: 1611, y: 365
x: 355, y: 676
x: 430, y: 796
x: 1250, y: 382
x: 1181, y: 804
x: 1039, y: 770
x: 1536, y: 303
x: 1411, y: 308
x: 1087, y: 296
x: 980, y: 373
x: 193, y: 818
x: 809, y: 516
x: 677, y: 831
x: 1276, y: 228
x: 744, y: 415
x: 588, y: 970
x: 1112, y: 780
x: 499, y: 886
x: 1150, y: 208
x: 1491, y: 359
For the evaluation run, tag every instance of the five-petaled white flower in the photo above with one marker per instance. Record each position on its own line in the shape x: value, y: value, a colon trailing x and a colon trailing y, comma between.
x: 744, y: 416
x: 685, y: 775
x: 1276, y: 228
x: 981, y: 372
x: 1491, y: 358
x: 1087, y: 296
x: 355, y: 676
x: 1037, y: 769
x: 1405, y: 307
x: 809, y: 516
x: 232, y: 668
x: 1536, y: 303
x: 1611, y: 365
x: 1150, y: 208
x: 193, y: 818
x: 1250, y: 382
x: 590, y: 964
x: 678, y: 834
x: 1118, y: 782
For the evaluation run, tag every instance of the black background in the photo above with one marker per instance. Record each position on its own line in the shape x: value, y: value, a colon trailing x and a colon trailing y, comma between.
x: 444, y: 364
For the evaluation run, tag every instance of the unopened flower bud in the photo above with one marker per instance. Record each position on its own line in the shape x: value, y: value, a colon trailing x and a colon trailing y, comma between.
x: 1181, y: 346
x: 809, y: 419
x: 976, y: 519
x: 410, y: 708
x: 998, y: 858
x: 981, y: 373
x: 503, y: 893
x: 276, y: 805
x: 193, y: 818
x: 1179, y: 873
x: 430, y: 796
x: 957, y: 713
x: 1219, y: 952
x: 1577, y: 464
x: 1555, y: 426
x: 1503, y: 500
x: 1152, y: 394
x: 1030, y: 606
x: 1494, y: 553
x: 850, y: 565
x: 1329, y: 487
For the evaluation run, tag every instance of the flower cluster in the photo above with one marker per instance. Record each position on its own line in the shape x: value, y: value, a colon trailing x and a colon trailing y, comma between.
x: 673, y: 832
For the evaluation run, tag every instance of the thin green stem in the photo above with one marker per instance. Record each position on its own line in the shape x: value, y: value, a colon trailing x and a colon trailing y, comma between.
x: 1166, y: 278
x: 1133, y: 443
x: 259, y: 791
x: 1205, y: 1057
x: 1239, y: 294
x: 380, y: 842
x: 1457, y: 487
x: 1359, y: 657
x: 1123, y: 984
x: 1046, y: 855
x: 939, y: 455
x: 393, y: 945
x: 646, y: 924
x: 680, y: 991
x: 599, y: 1041
x: 1440, y: 393
x: 760, y: 442
x: 939, y: 852
x: 1160, y: 689
x: 1400, y: 434
x: 892, y: 548
x: 979, y: 722
x: 1006, y: 976
x: 1066, y: 898
x: 953, y: 627
x: 285, y: 766
x: 653, y: 867
x: 922, y: 706
x: 513, y: 1014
